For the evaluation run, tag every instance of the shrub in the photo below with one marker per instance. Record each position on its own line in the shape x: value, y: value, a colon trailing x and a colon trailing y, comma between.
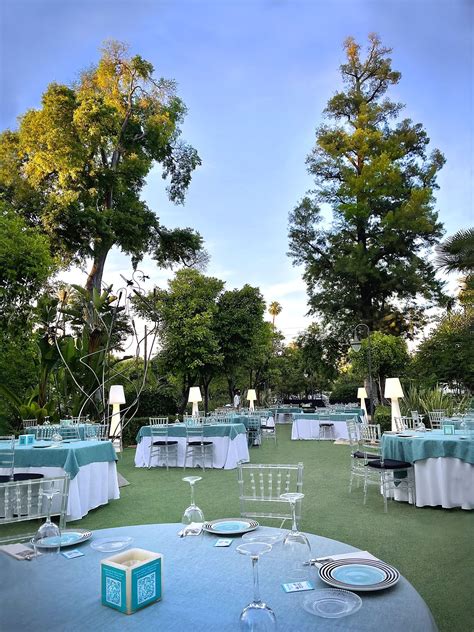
x: 344, y: 390
x: 383, y: 416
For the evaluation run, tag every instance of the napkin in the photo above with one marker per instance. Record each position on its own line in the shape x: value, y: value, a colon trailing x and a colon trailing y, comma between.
x: 361, y: 555
x: 18, y: 551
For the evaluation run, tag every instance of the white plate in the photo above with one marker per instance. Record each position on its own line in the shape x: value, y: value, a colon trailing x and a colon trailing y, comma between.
x: 111, y: 545
x: 230, y: 526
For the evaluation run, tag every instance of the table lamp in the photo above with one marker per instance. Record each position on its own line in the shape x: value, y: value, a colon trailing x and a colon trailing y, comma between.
x: 194, y: 398
x: 393, y: 391
x: 116, y: 397
x: 252, y: 397
x: 362, y: 395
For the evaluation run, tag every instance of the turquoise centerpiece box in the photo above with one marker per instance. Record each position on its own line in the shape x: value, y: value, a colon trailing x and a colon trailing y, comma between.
x: 131, y: 580
x: 26, y: 439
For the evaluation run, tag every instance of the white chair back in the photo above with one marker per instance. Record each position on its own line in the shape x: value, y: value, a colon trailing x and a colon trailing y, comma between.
x: 7, y: 455
x: 158, y: 421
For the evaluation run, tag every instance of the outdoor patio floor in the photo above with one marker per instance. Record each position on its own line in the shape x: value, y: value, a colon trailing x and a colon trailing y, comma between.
x: 432, y: 547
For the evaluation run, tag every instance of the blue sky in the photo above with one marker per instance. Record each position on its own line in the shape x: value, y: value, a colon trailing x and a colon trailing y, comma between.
x: 256, y: 76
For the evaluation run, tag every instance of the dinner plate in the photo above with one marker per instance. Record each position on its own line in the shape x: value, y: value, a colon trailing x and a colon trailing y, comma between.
x: 230, y: 526
x: 361, y: 575
x: 111, y: 545
x: 47, y: 445
x: 331, y: 603
x: 69, y: 537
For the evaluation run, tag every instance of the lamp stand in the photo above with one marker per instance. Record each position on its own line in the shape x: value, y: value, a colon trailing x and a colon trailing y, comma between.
x: 116, y: 427
x: 195, y: 412
x: 395, y: 411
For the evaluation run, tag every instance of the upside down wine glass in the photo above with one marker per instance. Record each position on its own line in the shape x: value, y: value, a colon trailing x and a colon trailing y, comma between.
x: 192, y: 513
x: 48, y: 537
x: 257, y: 616
x: 296, y: 546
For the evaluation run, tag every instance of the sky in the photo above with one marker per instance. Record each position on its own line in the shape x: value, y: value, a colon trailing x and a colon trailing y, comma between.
x: 255, y: 76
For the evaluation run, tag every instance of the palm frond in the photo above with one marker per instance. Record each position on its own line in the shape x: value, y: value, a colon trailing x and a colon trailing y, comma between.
x: 456, y: 253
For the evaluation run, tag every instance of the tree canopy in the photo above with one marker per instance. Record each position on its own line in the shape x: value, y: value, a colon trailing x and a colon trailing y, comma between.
x: 370, y: 264
x: 76, y: 166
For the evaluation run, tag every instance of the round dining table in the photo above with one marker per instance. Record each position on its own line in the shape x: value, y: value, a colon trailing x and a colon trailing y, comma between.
x: 204, y: 589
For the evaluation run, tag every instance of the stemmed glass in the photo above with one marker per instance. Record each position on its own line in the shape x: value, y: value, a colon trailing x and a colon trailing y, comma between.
x: 296, y: 546
x: 48, y: 537
x: 192, y: 513
x: 257, y: 616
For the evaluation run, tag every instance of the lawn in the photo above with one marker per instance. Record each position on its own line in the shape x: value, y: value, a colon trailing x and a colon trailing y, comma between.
x: 432, y: 548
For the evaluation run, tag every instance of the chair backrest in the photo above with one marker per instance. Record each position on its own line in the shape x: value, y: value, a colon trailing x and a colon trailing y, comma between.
x: 69, y: 432
x: 157, y: 421
x: 260, y: 488
x: 46, y: 432
x: 415, y: 415
x: 29, y: 423
x: 160, y: 430
x: 410, y: 423
x: 25, y: 500
x: 99, y: 432
x: 398, y: 423
x: 353, y: 432
x: 7, y: 454
x: 194, y: 432
x: 435, y: 417
x: 370, y: 434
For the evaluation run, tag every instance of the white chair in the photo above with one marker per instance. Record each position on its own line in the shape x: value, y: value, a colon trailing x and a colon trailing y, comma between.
x: 435, y: 417
x: 268, y: 430
x: 29, y: 423
x: 45, y: 433
x: 197, y: 447
x: 260, y: 488
x: 96, y: 432
x: 7, y: 457
x: 254, y: 430
x: 25, y: 500
x: 326, y: 431
x: 160, y: 445
x: 359, y: 454
x: 391, y: 476
x: 70, y: 433
x: 158, y: 421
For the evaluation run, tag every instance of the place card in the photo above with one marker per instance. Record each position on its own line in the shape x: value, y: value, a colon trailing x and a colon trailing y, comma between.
x: 297, y: 586
x: 223, y: 542
x: 131, y: 580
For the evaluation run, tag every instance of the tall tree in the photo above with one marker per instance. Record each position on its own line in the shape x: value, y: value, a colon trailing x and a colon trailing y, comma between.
x: 456, y: 254
x: 371, y: 263
x: 274, y: 309
x: 77, y: 165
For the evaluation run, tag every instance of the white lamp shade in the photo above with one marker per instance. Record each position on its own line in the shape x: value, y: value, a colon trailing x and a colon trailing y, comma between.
x: 393, y: 388
x: 251, y: 395
x: 361, y: 393
x: 116, y: 394
x: 194, y: 395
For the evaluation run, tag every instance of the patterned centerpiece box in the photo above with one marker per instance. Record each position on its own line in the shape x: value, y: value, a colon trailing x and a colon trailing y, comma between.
x: 131, y: 580
x: 26, y: 439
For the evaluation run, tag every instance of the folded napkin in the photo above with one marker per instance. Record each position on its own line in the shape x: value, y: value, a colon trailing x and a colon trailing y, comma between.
x: 18, y: 551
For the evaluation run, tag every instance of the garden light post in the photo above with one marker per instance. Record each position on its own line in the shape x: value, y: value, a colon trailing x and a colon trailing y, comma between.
x: 194, y: 398
x: 356, y: 345
x: 116, y: 397
x: 251, y: 396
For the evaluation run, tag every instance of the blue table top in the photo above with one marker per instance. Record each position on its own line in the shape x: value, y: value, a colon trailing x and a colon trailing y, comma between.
x: 426, y: 445
x: 211, y: 430
x: 204, y: 590
x: 69, y: 456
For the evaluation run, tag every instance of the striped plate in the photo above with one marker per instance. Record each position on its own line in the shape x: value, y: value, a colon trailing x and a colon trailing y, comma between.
x: 361, y: 575
x: 230, y: 526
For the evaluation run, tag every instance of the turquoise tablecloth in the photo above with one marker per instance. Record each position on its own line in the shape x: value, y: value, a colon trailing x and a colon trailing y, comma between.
x: 328, y: 417
x: 204, y: 590
x: 426, y: 446
x: 211, y: 430
x: 69, y: 456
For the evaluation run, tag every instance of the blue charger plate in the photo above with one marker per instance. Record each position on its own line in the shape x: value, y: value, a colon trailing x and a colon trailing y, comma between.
x: 360, y: 575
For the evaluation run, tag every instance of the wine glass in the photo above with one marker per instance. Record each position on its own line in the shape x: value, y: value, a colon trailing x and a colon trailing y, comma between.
x: 192, y: 513
x: 296, y: 546
x: 48, y: 537
x: 257, y: 616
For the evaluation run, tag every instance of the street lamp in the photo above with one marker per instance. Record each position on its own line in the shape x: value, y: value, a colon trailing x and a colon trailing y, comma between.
x: 356, y: 345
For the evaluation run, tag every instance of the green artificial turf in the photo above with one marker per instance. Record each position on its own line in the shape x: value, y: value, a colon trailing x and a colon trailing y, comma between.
x: 432, y: 547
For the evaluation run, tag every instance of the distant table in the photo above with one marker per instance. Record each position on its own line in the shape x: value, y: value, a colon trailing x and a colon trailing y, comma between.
x: 205, y: 589
x: 443, y: 466
x: 90, y: 464
x: 230, y: 444
x: 306, y: 426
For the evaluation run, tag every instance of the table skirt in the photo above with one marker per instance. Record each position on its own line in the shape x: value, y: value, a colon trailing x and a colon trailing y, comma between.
x: 93, y: 486
x: 227, y: 452
x: 309, y: 429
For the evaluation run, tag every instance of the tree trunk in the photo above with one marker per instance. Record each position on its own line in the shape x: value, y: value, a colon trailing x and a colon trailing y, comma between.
x: 205, y: 385
x: 231, y: 387
x: 94, y: 280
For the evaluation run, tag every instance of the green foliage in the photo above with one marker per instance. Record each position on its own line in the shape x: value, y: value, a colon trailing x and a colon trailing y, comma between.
x: 25, y: 265
x: 77, y: 165
x: 425, y: 399
x: 370, y: 264
x: 446, y: 355
x: 344, y: 390
x: 383, y: 416
x: 389, y: 355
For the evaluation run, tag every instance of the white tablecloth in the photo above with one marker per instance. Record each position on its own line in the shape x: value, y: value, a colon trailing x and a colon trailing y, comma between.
x: 94, y: 485
x: 227, y: 452
x: 309, y: 429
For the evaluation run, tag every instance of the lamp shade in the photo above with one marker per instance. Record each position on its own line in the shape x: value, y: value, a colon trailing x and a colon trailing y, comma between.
x: 251, y: 395
x: 116, y: 394
x: 361, y: 393
x: 194, y: 395
x: 393, y: 388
